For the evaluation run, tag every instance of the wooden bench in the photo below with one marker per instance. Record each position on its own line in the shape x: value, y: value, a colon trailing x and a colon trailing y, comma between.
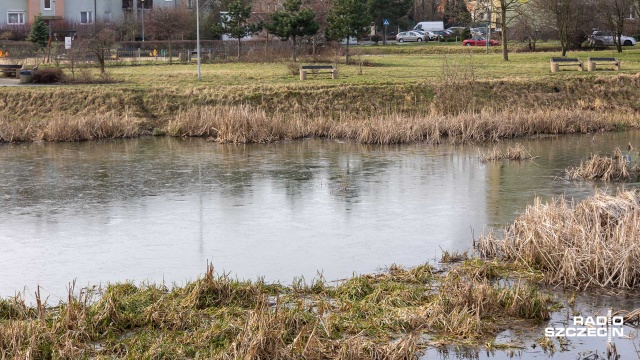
x: 317, y: 69
x: 10, y: 70
x: 557, y: 62
x: 591, y: 63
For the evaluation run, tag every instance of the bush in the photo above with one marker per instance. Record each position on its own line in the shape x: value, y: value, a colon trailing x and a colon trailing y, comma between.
x: 375, y: 38
x: 48, y: 76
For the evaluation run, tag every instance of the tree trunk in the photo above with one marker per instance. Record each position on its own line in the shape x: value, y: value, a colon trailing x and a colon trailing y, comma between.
x: 170, y: 62
x: 238, y: 48
x: 293, y: 38
x: 347, y: 52
x: 505, y: 37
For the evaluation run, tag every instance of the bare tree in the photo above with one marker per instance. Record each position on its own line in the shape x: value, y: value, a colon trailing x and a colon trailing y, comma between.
x: 529, y: 26
x: 614, y: 14
x: 572, y: 19
x: 98, y: 41
x: 507, y: 9
x: 166, y: 23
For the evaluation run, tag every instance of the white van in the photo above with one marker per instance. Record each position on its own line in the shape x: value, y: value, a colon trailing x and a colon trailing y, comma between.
x: 429, y: 26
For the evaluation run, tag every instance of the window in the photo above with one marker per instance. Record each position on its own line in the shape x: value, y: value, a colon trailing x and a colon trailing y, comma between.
x: 47, y: 4
x: 86, y: 17
x: 15, y: 18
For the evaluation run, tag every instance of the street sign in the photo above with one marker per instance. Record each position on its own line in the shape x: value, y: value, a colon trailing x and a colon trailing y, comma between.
x: 385, y: 22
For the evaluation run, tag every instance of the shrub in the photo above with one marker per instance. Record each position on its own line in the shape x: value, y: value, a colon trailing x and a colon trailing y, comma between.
x: 48, y: 76
x: 375, y: 38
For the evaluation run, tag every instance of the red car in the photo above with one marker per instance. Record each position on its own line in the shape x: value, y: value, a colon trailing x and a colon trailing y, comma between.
x: 479, y: 41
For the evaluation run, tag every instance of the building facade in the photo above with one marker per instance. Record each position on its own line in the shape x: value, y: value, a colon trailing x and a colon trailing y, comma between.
x: 22, y: 12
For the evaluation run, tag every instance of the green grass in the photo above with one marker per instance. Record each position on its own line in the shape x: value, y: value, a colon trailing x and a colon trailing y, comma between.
x: 393, y: 64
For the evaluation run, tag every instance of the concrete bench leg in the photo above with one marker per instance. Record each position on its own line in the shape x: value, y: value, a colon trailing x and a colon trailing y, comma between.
x: 581, y: 66
x: 555, y: 67
x: 617, y: 66
x: 303, y: 75
x: 334, y: 74
x: 591, y: 66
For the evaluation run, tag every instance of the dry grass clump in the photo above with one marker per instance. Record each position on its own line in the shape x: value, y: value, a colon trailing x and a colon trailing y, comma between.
x: 605, y: 168
x: 69, y: 128
x: 517, y: 153
x: 244, y: 124
x: 593, y: 243
x: 380, y: 316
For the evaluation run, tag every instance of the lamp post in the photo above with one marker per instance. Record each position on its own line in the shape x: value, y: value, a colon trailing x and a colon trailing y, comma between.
x: 198, y: 35
x: 142, y: 20
x: 488, y: 40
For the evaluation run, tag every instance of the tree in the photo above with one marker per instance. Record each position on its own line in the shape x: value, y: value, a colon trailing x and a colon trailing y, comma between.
x: 237, y: 25
x: 529, y: 26
x: 388, y: 9
x: 456, y: 12
x: 345, y: 19
x: 425, y: 10
x: 507, y: 7
x: 39, y: 34
x: 613, y: 14
x: 293, y: 22
x: 166, y: 23
x: 99, y: 42
x: 572, y: 19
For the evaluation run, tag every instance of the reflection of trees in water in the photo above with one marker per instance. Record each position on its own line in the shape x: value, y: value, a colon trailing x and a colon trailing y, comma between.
x: 50, y: 176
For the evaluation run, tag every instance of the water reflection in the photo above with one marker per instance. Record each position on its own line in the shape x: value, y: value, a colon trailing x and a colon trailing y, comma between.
x: 158, y: 208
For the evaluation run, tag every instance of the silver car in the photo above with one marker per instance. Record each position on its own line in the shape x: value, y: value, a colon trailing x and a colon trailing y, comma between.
x: 410, y: 36
x: 605, y: 38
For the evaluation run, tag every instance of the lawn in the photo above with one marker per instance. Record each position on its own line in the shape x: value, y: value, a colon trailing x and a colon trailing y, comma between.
x: 393, y: 64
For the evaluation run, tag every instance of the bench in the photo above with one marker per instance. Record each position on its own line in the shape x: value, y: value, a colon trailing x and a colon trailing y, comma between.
x: 557, y: 62
x: 317, y: 69
x: 591, y: 63
x: 10, y: 70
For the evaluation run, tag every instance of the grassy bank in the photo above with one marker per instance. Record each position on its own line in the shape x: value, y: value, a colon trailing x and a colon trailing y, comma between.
x: 390, y: 99
x: 391, y: 315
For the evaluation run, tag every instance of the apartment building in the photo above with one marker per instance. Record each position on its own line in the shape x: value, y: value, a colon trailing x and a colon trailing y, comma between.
x: 22, y: 12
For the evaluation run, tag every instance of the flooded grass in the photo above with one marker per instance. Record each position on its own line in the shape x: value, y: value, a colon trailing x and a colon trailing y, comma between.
x: 607, y: 168
x: 389, y: 315
x: 595, y: 243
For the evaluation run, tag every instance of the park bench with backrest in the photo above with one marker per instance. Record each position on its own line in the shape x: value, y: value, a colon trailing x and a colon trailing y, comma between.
x: 318, y: 69
x: 557, y: 62
x: 592, y: 61
x: 10, y: 70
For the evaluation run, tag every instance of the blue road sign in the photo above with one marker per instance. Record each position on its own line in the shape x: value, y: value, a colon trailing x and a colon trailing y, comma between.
x: 385, y: 22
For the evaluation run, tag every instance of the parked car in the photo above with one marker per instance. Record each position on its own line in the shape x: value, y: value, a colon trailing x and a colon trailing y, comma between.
x: 431, y: 35
x: 479, y: 31
x: 440, y: 34
x: 352, y: 41
x: 605, y: 38
x: 479, y: 41
x: 410, y: 36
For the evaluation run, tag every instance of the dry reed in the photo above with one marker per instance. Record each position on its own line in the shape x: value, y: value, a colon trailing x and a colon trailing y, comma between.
x: 605, y: 168
x: 70, y: 128
x: 245, y: 124
x: 517, y: 153
x: 593, y: 243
